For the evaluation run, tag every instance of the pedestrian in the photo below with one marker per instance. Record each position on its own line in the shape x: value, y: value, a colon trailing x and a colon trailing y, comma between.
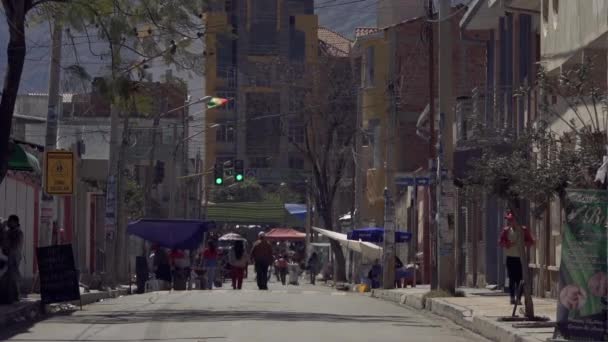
x: 180, y: 263
x: 510, y: 237
x: 281, y: 266
x: 313, y: 267
x: 161, y: 265
x: 210, y: 262
x: 261, y: 254
x: 12, y: 246
x: 238, y: 263
x: 374, y: 274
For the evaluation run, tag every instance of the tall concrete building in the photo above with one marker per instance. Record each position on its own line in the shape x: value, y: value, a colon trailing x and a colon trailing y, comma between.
x: 257, y: 52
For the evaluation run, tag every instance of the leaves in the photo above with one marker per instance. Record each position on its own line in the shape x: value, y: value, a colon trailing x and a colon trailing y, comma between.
x: 540, y: 163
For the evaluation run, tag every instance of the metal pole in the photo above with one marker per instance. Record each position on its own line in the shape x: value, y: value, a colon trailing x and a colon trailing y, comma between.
x: 429, y: 227
x: 445, y: 193
x: 184, y: 169
x: 53, y: 109
x: 388, y: 274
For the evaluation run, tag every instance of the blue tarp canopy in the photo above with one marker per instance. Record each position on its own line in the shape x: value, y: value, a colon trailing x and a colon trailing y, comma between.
x: 376, y: 234
x: 297, y: 210
x: 182, y: 234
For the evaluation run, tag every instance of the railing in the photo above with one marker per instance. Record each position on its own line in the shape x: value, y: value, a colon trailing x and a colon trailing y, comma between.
x: 263, y: 49
x: 488, y: 115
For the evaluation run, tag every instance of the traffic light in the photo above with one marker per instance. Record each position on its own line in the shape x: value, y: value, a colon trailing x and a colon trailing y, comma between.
x: 239, y: 174
x: 218, y: 174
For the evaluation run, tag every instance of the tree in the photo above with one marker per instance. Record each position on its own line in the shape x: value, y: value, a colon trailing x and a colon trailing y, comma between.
x: 538, y: 165
x: 147, y: 30
x: 326, y: 115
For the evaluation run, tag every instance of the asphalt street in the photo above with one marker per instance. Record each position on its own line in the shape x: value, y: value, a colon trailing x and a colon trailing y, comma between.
x: 282, y: 314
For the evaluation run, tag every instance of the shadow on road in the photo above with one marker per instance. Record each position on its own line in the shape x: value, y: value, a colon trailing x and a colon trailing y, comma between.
x: 132, y: 317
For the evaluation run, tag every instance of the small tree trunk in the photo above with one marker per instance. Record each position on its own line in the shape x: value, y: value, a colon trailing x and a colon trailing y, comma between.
x: 15, y: 14
x: 525, y: 267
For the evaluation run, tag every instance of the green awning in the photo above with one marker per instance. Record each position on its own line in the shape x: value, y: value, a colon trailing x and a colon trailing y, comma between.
x: 20, y: 160
x: 251, y: 213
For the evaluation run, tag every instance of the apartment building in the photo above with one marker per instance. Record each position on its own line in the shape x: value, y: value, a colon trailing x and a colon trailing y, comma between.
x: 259, y: 72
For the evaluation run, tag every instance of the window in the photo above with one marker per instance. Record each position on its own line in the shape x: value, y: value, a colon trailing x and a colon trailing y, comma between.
x: 225, y: 133
x: 260, y: 162
x: 259, y: 75
x: 296, y: 163
x: 296, y: 132
x: 369, y: 67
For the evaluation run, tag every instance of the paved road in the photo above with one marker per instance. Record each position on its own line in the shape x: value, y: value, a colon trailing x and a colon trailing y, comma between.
x: 284, y: 314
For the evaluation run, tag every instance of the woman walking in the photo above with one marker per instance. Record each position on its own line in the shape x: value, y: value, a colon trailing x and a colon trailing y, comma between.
x: 210, y: 261
x: 313, y: 267
x: 281, y: 266
x: 238, y: 263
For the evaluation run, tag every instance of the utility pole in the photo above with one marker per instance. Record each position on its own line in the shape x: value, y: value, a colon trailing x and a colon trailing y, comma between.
x: 389, y: 211
x: 173, y: 175
x: 388, y: 274
x: 47, y: 207
x: 445, y: 193
x: 121, y: 239
x: 184, y: 183
x: 429, y: 228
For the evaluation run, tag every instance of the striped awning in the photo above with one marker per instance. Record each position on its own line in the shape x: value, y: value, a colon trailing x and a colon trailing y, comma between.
x: 251, y: 213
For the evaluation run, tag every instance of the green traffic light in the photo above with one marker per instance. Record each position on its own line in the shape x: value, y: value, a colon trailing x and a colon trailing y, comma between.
x: 239, y: 177
x: 219, y: 181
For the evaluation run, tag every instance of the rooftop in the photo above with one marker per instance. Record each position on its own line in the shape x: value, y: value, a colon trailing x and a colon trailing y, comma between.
x: 339, y: 45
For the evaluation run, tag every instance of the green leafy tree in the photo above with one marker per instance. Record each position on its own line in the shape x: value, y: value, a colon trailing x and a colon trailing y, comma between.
x: 539, y: 164
x: 136, y: 32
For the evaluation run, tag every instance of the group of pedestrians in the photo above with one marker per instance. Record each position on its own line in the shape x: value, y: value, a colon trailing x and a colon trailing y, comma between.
x: 11, y: 247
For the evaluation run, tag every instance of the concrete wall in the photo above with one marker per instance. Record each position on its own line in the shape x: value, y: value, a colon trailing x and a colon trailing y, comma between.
x: 568, y: 26
x: 21, y: 197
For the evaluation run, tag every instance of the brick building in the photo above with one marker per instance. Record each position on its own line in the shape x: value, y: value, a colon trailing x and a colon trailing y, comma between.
x: 394, y: 92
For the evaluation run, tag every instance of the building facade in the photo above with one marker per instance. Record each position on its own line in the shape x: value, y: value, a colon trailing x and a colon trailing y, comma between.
x: 259, y: 72
x: 523, y: 36
x: 394, y: 93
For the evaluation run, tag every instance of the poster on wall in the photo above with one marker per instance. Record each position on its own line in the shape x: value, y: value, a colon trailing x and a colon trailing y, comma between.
x: 582, y: 309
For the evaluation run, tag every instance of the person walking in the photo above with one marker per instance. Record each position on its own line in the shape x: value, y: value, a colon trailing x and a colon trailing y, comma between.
x: 11, y: 243
x: 281, y: 265
x: 161, y: 265
x: 261, y: 254
x: 313, y: 267
x: 510, y: 237
x: 210, y: 262
x: 238, y: 263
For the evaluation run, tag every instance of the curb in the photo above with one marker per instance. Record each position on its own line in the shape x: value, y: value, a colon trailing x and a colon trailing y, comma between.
x: 31, y: 310
x: 484, y: 326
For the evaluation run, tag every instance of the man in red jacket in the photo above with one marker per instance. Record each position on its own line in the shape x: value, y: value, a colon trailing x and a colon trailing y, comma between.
x: 509, y: 238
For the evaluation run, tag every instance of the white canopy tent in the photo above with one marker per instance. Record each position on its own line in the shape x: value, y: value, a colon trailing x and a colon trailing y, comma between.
x: 367, y: 249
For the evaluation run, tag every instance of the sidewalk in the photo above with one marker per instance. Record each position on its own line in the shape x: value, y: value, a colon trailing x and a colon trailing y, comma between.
x: 477, y: 311
x: 28, y: 309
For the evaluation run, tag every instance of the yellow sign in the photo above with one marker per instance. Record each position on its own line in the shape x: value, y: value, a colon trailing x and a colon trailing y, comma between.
x: 59, y: 173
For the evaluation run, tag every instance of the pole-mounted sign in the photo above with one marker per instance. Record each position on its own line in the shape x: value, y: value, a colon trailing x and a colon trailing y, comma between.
x: 59, y: 173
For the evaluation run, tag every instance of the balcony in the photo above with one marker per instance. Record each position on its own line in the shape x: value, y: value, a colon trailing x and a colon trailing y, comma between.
x: 485, y: 117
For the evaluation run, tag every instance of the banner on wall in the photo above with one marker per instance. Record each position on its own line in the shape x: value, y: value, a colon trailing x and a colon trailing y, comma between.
x: 582, y: 309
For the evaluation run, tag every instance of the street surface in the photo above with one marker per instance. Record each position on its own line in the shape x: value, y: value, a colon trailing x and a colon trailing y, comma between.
x: 293, y: 313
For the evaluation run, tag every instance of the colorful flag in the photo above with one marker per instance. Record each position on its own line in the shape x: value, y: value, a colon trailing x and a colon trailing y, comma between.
x: 216, y: 102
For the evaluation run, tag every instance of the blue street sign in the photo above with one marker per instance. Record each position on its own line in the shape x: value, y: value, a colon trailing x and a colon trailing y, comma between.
x: 423, y: 181
x: 406, y: 181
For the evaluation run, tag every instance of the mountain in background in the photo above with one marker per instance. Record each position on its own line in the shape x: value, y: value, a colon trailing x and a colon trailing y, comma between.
x: 341, y: 16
